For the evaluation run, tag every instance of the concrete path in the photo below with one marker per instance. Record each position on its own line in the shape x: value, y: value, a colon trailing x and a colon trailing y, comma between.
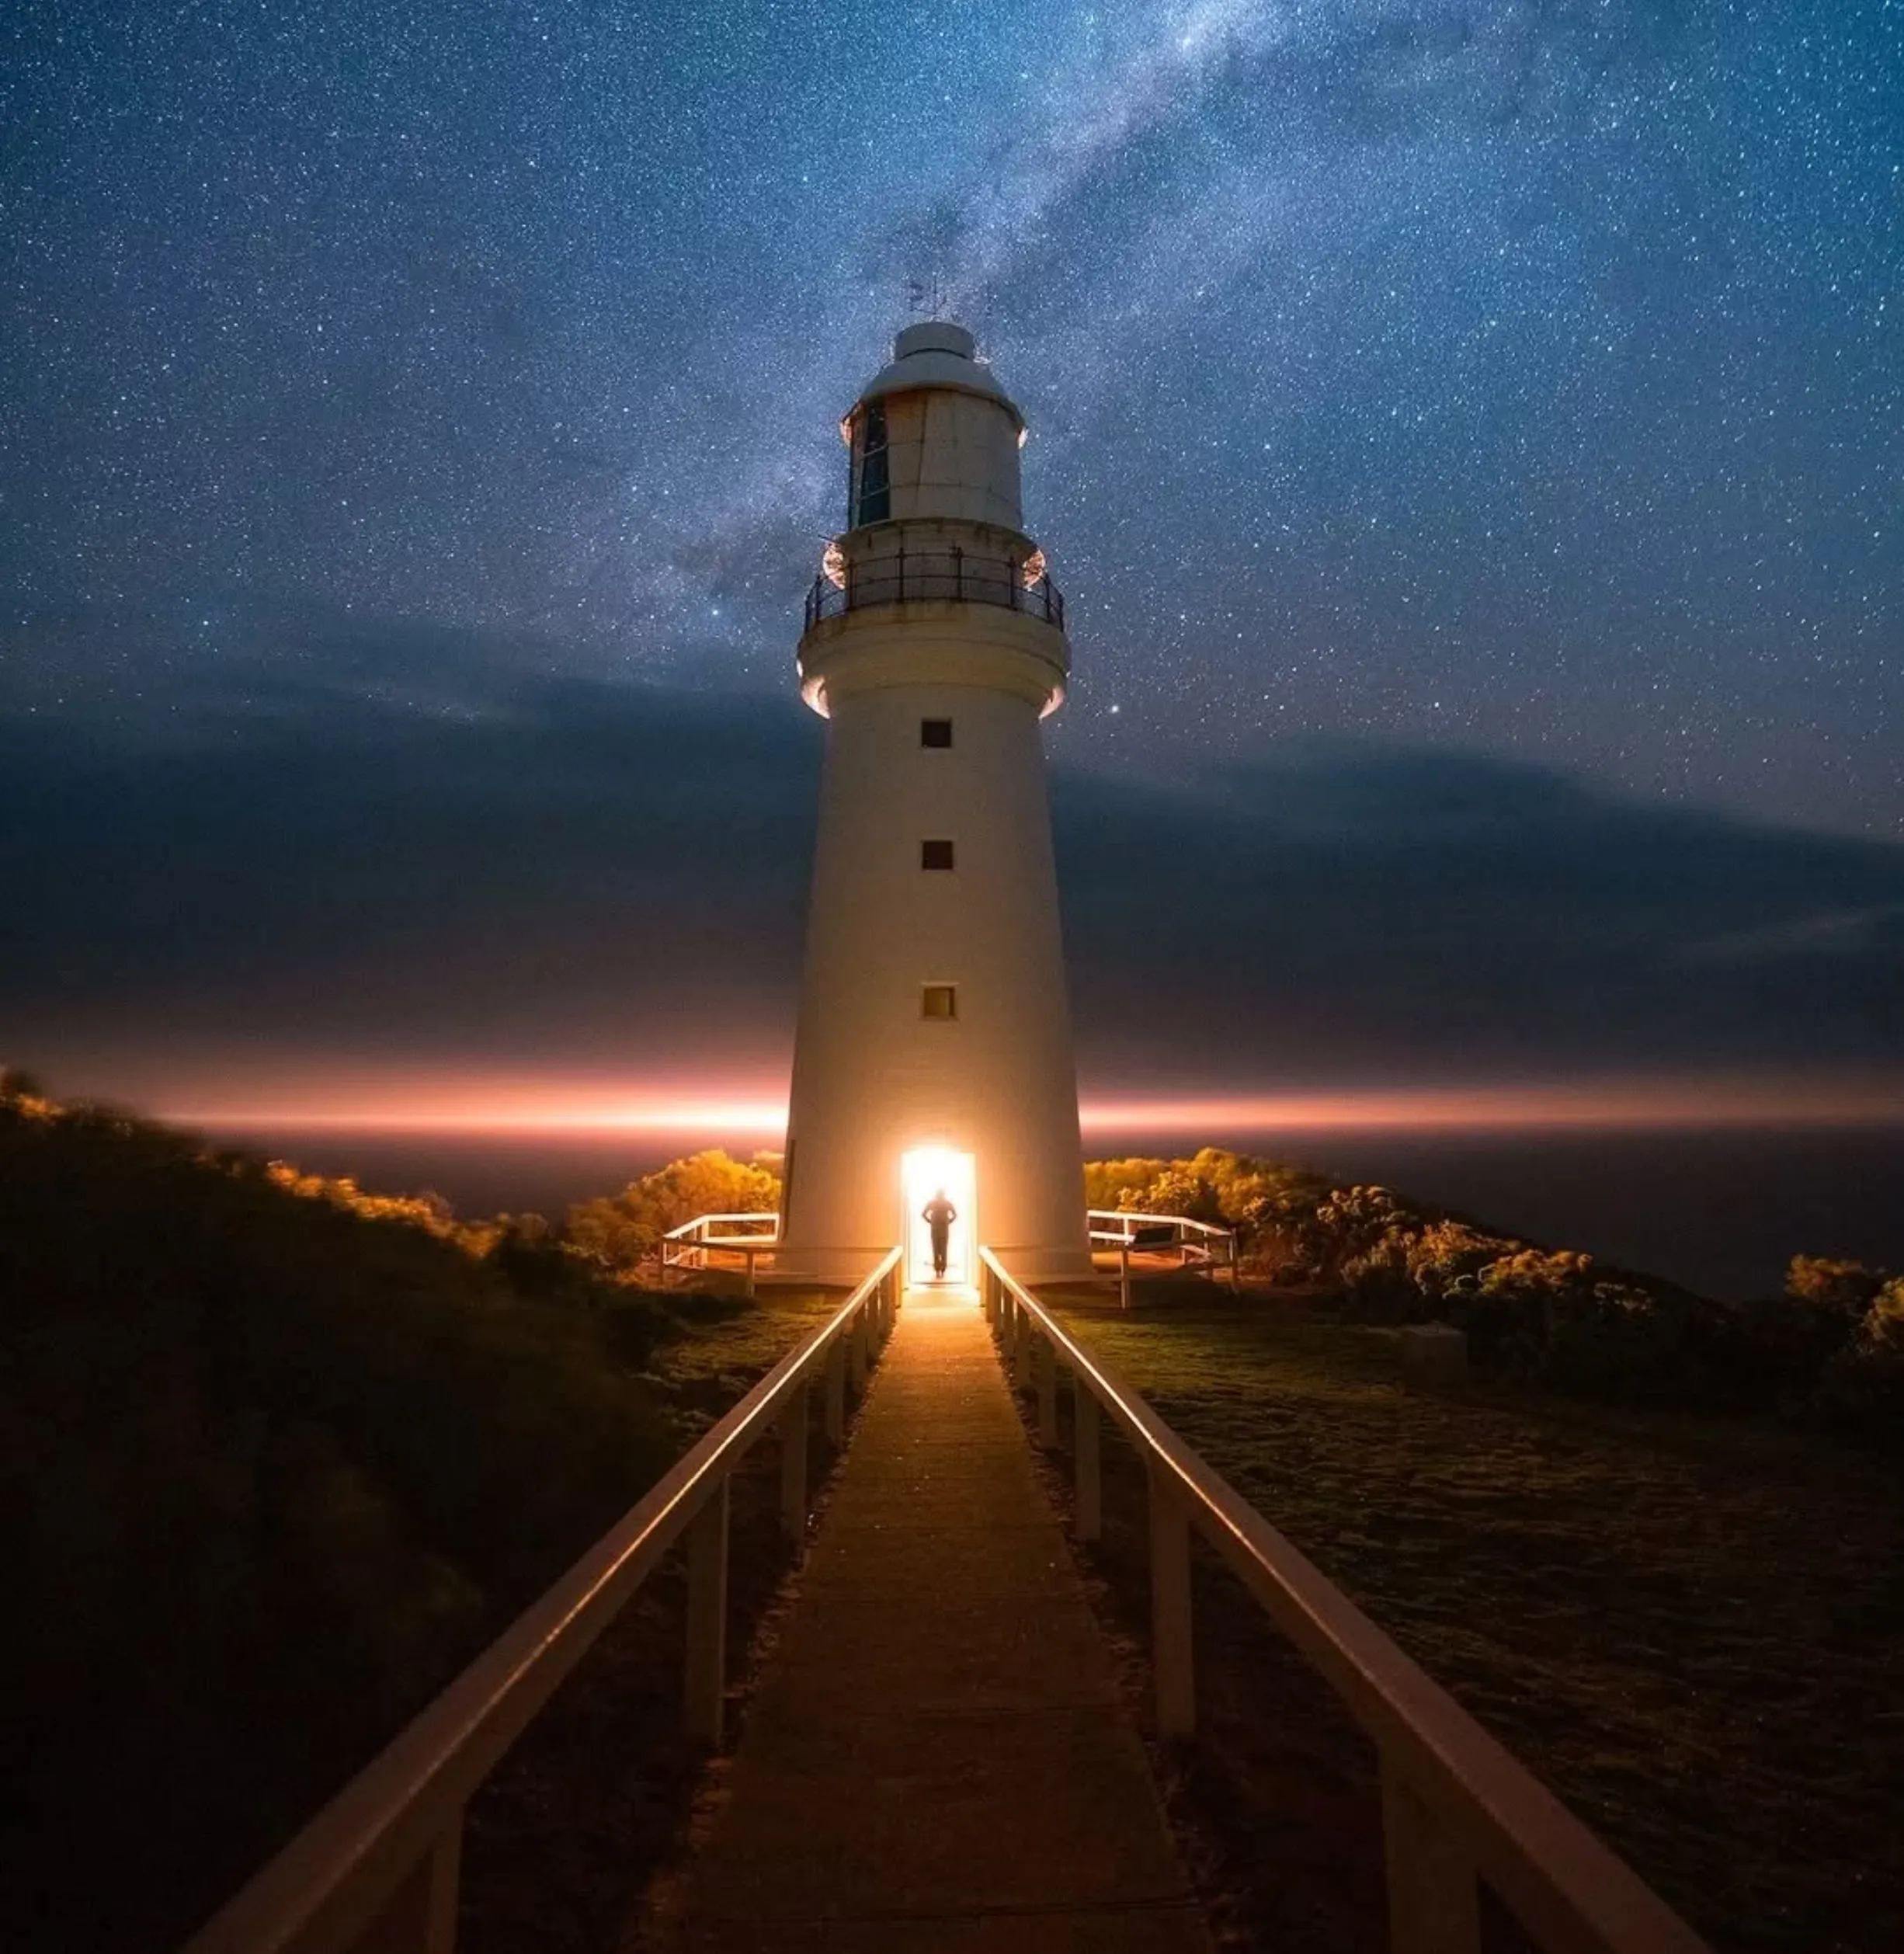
x: 936, y: 1761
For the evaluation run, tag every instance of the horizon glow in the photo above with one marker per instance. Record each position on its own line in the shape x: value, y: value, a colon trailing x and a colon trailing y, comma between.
x: 1691, y: 1102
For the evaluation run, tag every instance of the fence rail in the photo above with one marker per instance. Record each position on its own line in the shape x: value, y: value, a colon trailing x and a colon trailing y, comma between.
x: 376, y: 1872
x: 694, y: 1243
x: 1200, y: 1245
x: 952, y: 576
x: 1458, y: 1810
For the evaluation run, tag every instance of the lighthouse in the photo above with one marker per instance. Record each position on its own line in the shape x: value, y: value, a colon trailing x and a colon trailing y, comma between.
x: 933, y: 1054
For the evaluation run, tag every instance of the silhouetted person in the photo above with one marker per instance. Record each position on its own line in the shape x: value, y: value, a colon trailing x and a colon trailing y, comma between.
x: 939, y: 1215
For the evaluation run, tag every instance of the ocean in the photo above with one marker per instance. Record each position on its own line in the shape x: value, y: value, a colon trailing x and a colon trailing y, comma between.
x: 1721, y: 1212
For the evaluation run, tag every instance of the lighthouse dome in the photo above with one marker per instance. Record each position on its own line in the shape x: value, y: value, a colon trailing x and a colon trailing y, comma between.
x: 934, y: 437
x: 937, y: 353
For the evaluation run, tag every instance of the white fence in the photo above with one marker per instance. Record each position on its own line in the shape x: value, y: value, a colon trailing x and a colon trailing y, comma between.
x: 376, y: 1871
x: 1196, y: 1245
x: 1457, y: 1809
x: 696, y: 1244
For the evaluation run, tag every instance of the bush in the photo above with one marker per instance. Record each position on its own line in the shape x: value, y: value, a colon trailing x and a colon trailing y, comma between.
x: 1267, y: 1204
x: 1842, y: 1289
x: 1830, y: 1351
x: 1377, y: 1281
x: 619, y: 1232
x: 1446, y: 1252
x: 1861, y: 1390
x: 1120, y: 1184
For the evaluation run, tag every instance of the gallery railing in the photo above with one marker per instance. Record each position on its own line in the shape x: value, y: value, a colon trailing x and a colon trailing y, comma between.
x: 376, y: 1872
x: 954, y: 576
x: 1458, y: 1811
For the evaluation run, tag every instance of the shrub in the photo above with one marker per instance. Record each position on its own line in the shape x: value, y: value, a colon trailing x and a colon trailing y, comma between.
x: 1861, y: 1390
x: 1444, y: 1252
x: 1378, y: 1282
x: 619, y: 1231
x: 1830, y: 1350
x: 1618, y: 1341
x: 1119, y: 1184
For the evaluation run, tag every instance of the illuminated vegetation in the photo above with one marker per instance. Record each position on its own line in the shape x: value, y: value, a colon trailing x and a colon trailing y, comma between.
x: 1829, y: 1354
x: 618, y: 1232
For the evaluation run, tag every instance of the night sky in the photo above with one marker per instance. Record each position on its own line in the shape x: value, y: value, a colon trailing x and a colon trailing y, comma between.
x: 1467, y: 437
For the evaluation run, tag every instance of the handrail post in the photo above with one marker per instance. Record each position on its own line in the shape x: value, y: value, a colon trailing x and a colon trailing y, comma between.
x: 419, y: 1917
x: 861, y: 1337
x: 1124, y: 1273
x: 1173, y: 1651
x: 1089, y: 1474
x: 706, y: 1670
x: 793, y: 1465
x: 1048, y: 1392
x: 835, y: 1394
x: 1022, y: 1352
x: 1434, y: 1900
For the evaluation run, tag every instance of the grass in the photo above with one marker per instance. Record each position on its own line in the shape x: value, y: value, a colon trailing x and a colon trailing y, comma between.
x: 1692, y: 1630
x: 731, y: 1341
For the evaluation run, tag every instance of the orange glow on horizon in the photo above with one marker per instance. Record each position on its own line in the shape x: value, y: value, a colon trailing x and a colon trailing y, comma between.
x: 514, y: 1108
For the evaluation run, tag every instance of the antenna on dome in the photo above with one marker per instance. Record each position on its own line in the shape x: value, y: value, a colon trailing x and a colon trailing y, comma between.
x: 927, y: 296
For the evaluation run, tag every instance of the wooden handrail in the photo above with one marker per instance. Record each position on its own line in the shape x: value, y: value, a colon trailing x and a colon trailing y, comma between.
x: 1200, y: 1239
x: 1156, y: 1221
x: 376, y: 1868
x: 1458, y: 1807
x: 687, y: 1231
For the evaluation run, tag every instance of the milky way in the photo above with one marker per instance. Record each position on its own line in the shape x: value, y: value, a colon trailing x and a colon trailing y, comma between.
x: 1519, y: 377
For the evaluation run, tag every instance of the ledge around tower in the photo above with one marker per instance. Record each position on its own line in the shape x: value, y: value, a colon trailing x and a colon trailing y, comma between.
x: 934, y: 642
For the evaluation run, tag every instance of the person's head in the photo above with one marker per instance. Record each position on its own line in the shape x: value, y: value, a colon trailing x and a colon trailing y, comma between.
x: 940, y: 1195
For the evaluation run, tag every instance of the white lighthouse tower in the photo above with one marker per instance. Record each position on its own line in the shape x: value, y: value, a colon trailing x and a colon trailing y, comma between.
x: 934, y: 1052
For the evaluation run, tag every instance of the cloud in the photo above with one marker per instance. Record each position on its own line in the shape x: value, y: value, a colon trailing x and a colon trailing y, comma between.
x: 1379, y: 913
x: 505, y: 872
x: 1831, y: 933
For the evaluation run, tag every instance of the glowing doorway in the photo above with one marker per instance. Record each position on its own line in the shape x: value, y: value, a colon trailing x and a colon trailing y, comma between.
x: 925, y: 1173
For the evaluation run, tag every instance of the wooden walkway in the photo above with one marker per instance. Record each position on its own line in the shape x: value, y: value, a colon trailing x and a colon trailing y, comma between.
x: 937, y: 1761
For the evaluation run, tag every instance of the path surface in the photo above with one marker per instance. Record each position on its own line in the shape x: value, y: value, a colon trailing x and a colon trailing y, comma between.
x: 936, y: 1761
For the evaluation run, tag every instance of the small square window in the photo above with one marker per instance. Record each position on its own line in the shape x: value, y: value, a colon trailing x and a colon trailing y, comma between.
x: 939, y: 1001
x: 935, y: 854
x: 935, y: 733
